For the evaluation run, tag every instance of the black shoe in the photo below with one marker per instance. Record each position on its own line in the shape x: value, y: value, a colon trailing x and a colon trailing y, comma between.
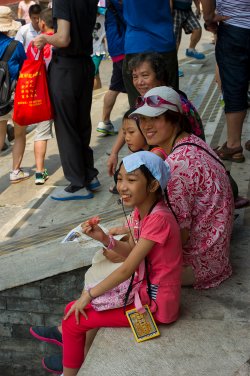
x: 49, y: 334
x: 53, y: 363
x: 5, y: 147
x: 10, y: 132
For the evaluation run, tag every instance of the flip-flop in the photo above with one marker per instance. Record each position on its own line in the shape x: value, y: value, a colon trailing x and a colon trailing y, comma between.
x: 241, y: 202
x: 247, y: 145
x: 230, y: 154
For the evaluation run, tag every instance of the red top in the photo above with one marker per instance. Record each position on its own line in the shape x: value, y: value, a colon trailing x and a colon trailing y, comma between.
x: 47, y: 51
x: 164, y: 262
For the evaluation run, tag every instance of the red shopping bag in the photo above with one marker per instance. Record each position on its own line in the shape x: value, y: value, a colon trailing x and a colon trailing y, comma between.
x: 32, y: 102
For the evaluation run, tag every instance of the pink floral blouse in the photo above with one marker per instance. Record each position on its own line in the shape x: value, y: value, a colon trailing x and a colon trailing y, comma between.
x: 201, y: 196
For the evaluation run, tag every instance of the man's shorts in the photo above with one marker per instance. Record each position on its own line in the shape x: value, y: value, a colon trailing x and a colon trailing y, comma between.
x: 7, y: 116
x: 97, y: 61
x: 186, y: 20
x: 232, y: 53
x: 116, y: 83
x: 43, y: 131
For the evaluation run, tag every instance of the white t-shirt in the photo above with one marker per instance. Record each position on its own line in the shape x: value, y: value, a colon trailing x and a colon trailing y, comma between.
x: 98, y: 35
x: 25, y: 9
x: 26, y: 34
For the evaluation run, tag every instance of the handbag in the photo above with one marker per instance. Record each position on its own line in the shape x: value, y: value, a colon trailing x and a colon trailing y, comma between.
x: 114, y: 298
x: 32, y: 102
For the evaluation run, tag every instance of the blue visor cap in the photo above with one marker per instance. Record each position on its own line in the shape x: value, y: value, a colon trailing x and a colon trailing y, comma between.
x: 159, y: 169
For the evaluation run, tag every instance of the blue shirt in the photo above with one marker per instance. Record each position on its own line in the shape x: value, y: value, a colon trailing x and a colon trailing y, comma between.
x: 115, y: 30
x: 16, y: 61
x: 149, y: 26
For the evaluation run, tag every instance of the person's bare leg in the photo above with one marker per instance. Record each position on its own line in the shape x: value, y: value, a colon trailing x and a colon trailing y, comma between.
x: 40, y: 148
x: 70, y: 371
x: 3, y: 130
x: 19, y: 146
x: 195, y: 37
x: 235, y: 122
x: 108, y: 104
x: 97, y: 82
x: 90, y: 336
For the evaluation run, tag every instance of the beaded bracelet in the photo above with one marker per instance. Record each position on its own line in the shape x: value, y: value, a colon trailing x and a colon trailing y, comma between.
x: 111, y: 244
x: 90, y: 295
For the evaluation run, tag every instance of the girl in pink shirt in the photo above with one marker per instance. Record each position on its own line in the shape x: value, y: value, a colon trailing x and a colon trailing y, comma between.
x: 155, y: 238
x: 23, y: 9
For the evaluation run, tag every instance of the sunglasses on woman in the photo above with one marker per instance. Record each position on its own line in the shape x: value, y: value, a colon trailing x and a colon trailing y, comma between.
x: 153, y: 101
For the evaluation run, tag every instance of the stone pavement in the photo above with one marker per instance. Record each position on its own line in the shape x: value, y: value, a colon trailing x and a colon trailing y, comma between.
x: 212, y: 336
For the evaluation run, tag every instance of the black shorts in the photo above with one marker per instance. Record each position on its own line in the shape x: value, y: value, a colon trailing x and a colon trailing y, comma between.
x: 116, y: 82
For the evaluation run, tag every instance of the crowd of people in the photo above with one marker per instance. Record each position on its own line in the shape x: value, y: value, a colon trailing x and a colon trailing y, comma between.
x: 177, y: 185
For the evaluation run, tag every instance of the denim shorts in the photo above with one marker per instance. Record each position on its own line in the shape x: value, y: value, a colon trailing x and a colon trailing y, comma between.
x: 233, y: 58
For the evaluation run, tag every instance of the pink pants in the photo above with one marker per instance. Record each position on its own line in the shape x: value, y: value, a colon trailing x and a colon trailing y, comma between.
x: 74, y: 335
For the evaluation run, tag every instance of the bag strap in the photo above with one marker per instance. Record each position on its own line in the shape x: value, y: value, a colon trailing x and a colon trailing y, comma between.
x: 9, y: 51
x: 201, y: 147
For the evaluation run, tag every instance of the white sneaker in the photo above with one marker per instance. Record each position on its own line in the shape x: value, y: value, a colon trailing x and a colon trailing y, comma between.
x: 17, y: 177
x: 81, y: 194
x: 106, y: 128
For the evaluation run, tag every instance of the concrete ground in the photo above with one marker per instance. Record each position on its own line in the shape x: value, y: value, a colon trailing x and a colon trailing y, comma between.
x: 212, y: 336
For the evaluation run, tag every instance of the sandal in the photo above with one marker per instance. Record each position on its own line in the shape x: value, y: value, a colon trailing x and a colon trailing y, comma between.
x: 241, y: 202
x: 247, y: 145
x: 230, y: 154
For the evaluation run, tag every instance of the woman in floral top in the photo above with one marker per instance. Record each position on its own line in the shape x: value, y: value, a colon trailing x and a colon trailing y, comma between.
x: 199, y: 191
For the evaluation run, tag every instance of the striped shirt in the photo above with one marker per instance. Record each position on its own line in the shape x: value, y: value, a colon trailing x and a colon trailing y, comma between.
x: 239, y: 11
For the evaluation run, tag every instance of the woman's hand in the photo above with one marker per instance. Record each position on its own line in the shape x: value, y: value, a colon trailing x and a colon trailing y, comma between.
x: 112, y: 163
x: 94, y: 231
x: 79, y: 306
x: 113, y: 256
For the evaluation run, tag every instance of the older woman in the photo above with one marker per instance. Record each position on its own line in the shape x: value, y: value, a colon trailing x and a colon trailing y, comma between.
x: 148, y: 70
x: 199, y: 191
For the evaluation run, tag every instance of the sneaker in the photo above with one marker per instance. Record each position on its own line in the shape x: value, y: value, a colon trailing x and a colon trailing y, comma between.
x: 41, y: 177
x: 16, y: 177
x: 180, y: 72
x: 53, y: 363
x: 81, y: 194
x: 48, y: 334
x: 195, y: 54
x: 94, y: 184
x: 106, y: 128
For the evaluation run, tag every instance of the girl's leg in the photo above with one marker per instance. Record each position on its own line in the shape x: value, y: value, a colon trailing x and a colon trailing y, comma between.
x: 19, y: 146
x: 74, y: 336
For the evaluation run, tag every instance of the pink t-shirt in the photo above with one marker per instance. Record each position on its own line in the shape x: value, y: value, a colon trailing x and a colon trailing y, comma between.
x: 25, y: 9
x: 201, y: 197
x: 164, y: 262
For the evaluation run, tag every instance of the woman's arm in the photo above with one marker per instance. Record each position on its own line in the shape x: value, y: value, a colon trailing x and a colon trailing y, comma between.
x: 19, y: 12
x: 120, y: 275
x: 113, y: 158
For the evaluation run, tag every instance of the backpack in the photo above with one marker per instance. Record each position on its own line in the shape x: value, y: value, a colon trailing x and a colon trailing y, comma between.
x: 6, y: 86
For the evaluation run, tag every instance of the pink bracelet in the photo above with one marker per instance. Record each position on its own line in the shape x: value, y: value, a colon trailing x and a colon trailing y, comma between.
x: 111, y: 244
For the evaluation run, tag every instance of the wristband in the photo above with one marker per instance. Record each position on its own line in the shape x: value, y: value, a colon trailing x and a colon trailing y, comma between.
x: 111, y: 244
x: 90, y: 295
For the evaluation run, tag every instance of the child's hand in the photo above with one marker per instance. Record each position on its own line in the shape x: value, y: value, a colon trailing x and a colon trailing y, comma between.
x: 79, y: 306
x: 91, y: 228
x: 113, y: 256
